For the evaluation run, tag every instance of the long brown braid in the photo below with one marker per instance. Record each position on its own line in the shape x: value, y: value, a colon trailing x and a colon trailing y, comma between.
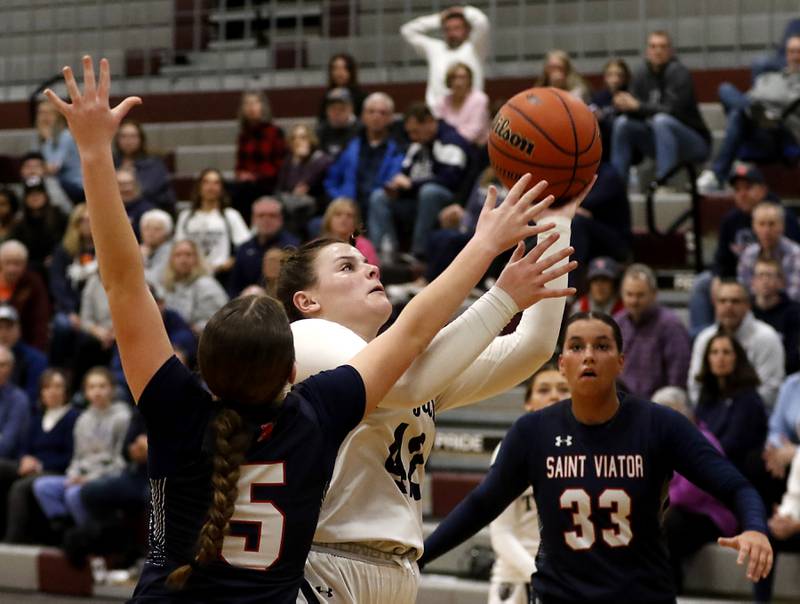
x: 232, y: 441
x: 246, y: 355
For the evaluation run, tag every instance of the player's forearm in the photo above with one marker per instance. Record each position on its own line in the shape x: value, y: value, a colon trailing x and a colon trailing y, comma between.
x: 452, y: 350
x: 435, y: 304
x: 507, y: 546
x: 510, y: 359
x: 118, y: 257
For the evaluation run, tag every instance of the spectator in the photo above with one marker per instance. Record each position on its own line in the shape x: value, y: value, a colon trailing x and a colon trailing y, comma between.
x: 9, y: 205
x: 217, y: 229
x: 464, y: 107
x: 342, y: 220
x: 777, y: 60
x: 98, y: 436
x: 112, y: 501
x: 342, y: 73
x: 760, y: 342
x: 457, y: 227
x: 300, y: 180
x: 466, y: 40
x: 40, y: 227
x: 729, y: 404
x: 773, y: 306
x: 433, y: 169
x: 657, y: 346
x: 768, y: 221
x: 130, y: 153
x: 188, y: 288
x: 48, y: 450
x: 602, y: 226
x: 270, y: 271
x: 340, y: 124
x: 735, y: 234
x: 269, y: 233
x: 25, y: 291
x: 659, y: 116
x: 179, y: 332
x: 15, y: 412
x: 135, y: 204
x: 73, y: 263
x: 29, y: 362
x: 694, y: 517
x: 784, y: 429
x: 756, y: 120
x: 616, y: 78
x: 559, y: 73
x: 34, y: 167
x: 156, y: 228
x: 59, y: 150
x: 97, y: 340
x: 260, y: 152
x: 603, y: 295
x: 370, y: 160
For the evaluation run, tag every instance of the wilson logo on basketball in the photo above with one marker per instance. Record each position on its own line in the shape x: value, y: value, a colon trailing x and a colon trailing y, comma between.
x: 502, y: 130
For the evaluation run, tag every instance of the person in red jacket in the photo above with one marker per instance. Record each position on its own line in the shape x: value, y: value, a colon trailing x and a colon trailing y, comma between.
x: 23, y: 289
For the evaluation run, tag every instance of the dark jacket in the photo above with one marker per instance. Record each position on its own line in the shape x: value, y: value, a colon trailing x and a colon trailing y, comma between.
x: 784, y: 317
x: 739, y: 423
x: 30, y: 300
x: 154, y: 181
x: 66, y: 297
x: 670, y: 91
x: 247, y: 267
x: 29, y: 363
x: 444, y: 160
x: 54, y: 448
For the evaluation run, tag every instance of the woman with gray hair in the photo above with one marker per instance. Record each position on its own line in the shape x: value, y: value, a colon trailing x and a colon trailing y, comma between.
x: 156, y: 231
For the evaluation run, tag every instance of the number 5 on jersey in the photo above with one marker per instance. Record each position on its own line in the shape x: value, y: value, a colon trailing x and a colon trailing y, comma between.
x: 256, y: 537
x: 579, y: 502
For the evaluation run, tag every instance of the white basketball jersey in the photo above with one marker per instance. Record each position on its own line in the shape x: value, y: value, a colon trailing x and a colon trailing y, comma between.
x: 375, y: 493
x: 520, y: 523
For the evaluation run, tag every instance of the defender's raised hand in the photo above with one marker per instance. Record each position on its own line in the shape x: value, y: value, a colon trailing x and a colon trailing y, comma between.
x: 91, y: 121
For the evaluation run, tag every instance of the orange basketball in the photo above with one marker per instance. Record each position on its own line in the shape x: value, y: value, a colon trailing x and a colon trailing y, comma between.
x: 549, y: 133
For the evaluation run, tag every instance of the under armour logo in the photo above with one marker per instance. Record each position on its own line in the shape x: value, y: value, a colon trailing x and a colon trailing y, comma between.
x: 327, y: 591
x: 564, y: 440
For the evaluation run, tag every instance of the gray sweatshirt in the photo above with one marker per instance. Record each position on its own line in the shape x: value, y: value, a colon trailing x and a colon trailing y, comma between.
x: 99, y: 435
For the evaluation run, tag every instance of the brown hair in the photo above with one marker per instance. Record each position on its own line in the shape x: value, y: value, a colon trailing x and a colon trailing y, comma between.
x: 297, y: 273
x: 548, y: 366
x: 103, y: 372
x: 266, y: 108
x: 352, y: 69
x: 419, y: 111
x: 142, y: 150
x: 47, y: 377
x: 313, y: 141
x: 197, y: 201
x: 249, y: 337
x: 573, y: 79
x: 742, y: 377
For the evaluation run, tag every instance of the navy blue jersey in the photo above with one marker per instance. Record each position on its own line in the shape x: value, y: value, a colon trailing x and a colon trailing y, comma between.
x: 600, y: 491
x: 281, y: 486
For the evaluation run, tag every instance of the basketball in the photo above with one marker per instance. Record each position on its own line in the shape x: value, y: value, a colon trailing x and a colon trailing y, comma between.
x: 549, y: 133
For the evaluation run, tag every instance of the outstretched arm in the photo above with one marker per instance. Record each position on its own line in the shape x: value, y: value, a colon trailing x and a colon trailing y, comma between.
x: 510, y: 359
x: 141, y: 337
x: 458, y: 368
x: 387, y: 357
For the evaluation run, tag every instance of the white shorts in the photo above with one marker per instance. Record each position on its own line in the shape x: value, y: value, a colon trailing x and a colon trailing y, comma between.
x: 359, y: 575
x: 501, y: 592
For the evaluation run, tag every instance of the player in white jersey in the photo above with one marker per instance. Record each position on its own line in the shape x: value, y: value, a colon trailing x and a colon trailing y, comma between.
x: 515, y: 532
x: 369, y: 534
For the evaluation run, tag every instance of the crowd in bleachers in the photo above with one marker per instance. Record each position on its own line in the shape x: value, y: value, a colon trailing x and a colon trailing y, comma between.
x: 72, y: 448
